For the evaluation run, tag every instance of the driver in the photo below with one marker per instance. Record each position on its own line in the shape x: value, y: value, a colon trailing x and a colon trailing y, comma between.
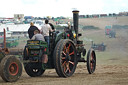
x: 45, y: 31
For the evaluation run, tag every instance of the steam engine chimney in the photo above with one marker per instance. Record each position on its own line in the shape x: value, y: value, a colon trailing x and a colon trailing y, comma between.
x: 75, y: 21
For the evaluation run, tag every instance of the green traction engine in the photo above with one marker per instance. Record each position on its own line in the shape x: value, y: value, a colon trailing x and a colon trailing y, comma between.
x: 64, y: 53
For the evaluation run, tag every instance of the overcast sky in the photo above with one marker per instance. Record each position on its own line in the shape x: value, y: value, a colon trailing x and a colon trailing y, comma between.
x: 40, y: 8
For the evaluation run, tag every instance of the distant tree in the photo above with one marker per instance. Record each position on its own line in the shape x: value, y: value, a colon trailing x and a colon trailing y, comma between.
x: 87, y: 16
x: 110, y: 14
x: 114, y: 14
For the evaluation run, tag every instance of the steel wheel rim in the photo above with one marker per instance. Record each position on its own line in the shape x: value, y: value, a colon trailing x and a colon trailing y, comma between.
x: 13, y: 68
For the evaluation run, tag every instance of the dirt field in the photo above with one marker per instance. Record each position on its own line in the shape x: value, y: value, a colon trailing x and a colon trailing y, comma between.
x: 111, y: 69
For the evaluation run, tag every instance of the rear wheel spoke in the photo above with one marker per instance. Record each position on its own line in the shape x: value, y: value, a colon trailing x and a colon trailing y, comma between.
x: 68, y: 47
x: 71, y: 53
x: 63, y: 58
x: 65, y: 68
x: 68, y: 68
x: 71, y: 62
x: 64, y: 53
x: 64, y: 63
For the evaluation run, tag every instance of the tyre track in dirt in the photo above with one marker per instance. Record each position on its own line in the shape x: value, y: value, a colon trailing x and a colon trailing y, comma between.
x: 104, y: 75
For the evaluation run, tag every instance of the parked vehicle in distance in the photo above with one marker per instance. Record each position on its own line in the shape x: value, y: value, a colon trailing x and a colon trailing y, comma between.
x: 107, y: 29
x: 110, y: 32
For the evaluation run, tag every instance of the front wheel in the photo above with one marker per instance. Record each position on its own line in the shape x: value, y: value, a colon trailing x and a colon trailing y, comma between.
x: 10, y: 69
x: 91, y: 61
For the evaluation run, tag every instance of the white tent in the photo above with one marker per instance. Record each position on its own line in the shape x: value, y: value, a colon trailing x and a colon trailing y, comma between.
x: 17, y: 28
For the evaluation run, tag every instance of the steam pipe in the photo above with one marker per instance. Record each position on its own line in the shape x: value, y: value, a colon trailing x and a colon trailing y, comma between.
x: 75, y: 21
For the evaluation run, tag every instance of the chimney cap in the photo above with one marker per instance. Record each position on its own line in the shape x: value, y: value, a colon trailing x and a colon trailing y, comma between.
x: 75, y: 11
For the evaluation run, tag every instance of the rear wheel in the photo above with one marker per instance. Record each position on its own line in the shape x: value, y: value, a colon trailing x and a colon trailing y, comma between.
x: 33, y: 69
x: 91, y: 61
x: 10, y: 69
x: 65, y: 58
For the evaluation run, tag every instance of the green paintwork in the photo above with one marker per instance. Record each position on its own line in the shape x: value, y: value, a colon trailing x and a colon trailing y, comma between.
x: 36, y: 49
x: 59, y: 36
